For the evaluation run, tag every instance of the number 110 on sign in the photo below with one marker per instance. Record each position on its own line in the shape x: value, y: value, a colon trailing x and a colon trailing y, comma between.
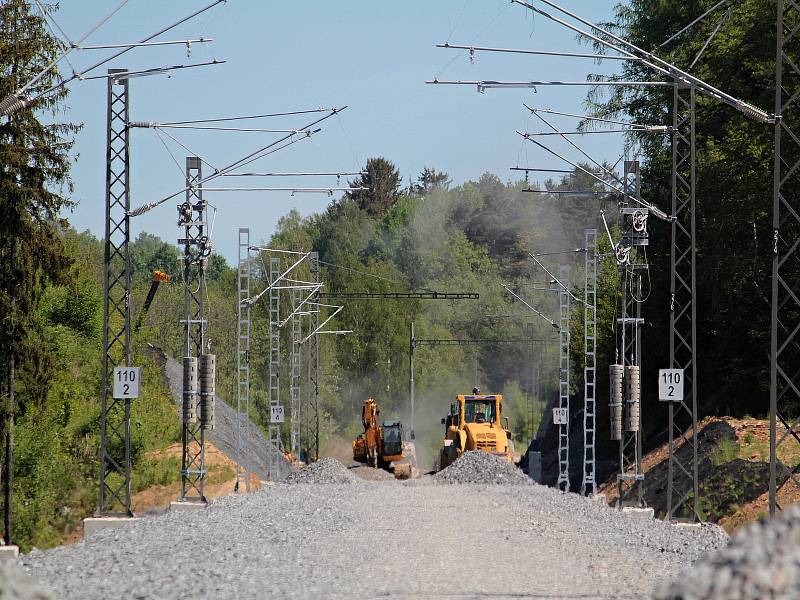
x: 670, y: 385
x: 126, y: 382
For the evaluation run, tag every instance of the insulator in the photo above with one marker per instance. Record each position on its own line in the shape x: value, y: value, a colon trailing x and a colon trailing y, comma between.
x: 633, y: 393
x: 204, y: 246
x: 189, y: 389
x: 184, y: 213
x: 208, y: 376
x: 615, y: 376
x: 622, y: 253
x: 12, y: 104
x: 639, y: 221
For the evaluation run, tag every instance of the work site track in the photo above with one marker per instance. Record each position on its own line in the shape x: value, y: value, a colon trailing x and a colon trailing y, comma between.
x: 417, y: 539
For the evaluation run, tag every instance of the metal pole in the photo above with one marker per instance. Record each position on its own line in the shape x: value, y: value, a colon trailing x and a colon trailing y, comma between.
x: 8, y: 480
x: 588, y: 486
x: 196, y: 249
x: 313, y: 362
x: 563, y: 370
x: 243, y: 354
x: 115, y: 425
x: 682, y: 476
x: 294, y: 383
x: 275, y: 443
x: 411, y: 345
x: 785, y: 325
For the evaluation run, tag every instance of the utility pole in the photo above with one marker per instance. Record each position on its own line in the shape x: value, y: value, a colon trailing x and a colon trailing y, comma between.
x: 588, y: 485
x: 294, y: 373
x: 785, y: 324
x: 243, y: 354
x: 276, y: 416
x: 682, y: 476
x: 115, y: 413
x: 196, y: 250
x: 626, y: 376
x: 312, y: 388
x: 563, y: 379
x: 412, y: 343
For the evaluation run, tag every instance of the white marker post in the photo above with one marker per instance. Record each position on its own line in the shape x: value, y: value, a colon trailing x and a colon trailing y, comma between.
x: 670, y: 385
x: 276, y: 414
x: 126, y: 382
x: 559, y: 416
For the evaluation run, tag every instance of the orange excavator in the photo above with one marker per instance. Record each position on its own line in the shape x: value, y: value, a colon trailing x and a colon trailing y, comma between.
x: 383, y: 445
x: 367, y: 446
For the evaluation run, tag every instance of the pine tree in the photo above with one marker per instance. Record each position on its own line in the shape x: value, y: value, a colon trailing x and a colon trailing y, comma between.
x: 34, y: 176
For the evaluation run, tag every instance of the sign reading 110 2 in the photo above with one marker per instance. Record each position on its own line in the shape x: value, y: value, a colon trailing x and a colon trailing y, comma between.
x: 670, y: 385
x: 126, y: 382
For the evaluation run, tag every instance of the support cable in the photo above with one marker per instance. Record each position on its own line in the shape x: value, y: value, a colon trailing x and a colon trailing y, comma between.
x: 18, y: 101
x: 649, y: 59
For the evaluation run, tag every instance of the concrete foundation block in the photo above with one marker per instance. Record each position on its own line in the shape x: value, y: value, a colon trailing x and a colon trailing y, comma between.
x: 643, y: 513
x: 93, y: 524
x: 599, y: 498
x: 9, y: 552
x: 184, y: 506
x: 687, y: 525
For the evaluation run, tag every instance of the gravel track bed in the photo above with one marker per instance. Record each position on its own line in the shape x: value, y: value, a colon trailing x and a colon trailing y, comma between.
x: 379, y: 539
x: 15, y: 585
x: 327, y: 470
x: 762, y: 561
x: 478, y: 467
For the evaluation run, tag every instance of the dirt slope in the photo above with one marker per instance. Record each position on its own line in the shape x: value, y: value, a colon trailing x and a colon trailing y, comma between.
x: 733, y: 468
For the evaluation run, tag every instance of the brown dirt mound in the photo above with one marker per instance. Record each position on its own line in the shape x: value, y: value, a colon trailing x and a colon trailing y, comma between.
x: 733, y: 469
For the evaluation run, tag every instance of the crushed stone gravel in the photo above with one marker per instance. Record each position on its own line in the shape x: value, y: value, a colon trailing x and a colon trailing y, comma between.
x: 387, y: 539
x: 15, y: 585
x: 479, y: 467
x: 327, y: 470
x: 762, y: 561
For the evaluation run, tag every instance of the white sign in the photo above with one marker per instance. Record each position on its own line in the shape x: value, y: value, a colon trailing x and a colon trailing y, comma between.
x: 670, y: 385
x: 126, y: 382
x: 276, y: 414
x: 559, y: 416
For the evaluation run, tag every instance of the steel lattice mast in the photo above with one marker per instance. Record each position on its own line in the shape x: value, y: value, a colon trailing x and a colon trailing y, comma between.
x: 115, y: 416
x: 588, y: 485
x: 294, y: 375
x: 244, y: 279
x: 196, y: 249
x: 274, y: 364
x: 785, y: 321
x: 312, y: 412
x: 630, y: 480
x: 563, y: 379
x: 682, y: 484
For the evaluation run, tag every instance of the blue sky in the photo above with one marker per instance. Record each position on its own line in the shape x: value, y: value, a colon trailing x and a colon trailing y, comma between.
x: 372, y: 55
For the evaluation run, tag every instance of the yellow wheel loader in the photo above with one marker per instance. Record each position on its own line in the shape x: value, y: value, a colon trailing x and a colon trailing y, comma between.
x: 476, y: 423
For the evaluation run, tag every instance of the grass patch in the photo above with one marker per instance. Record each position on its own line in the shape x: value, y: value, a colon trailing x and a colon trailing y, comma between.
x: 726, y: 450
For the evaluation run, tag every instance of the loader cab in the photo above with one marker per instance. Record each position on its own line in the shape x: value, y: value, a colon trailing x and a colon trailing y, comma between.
x: 481, y: 409
x: 478, y: 409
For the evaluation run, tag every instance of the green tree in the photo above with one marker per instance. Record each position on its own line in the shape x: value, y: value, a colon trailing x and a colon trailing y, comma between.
x: 382, y: 181
x: 429, y: 180
x: 34, y: 154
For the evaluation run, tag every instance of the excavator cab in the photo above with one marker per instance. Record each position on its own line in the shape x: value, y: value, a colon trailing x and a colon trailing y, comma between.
x: 392, y: 440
